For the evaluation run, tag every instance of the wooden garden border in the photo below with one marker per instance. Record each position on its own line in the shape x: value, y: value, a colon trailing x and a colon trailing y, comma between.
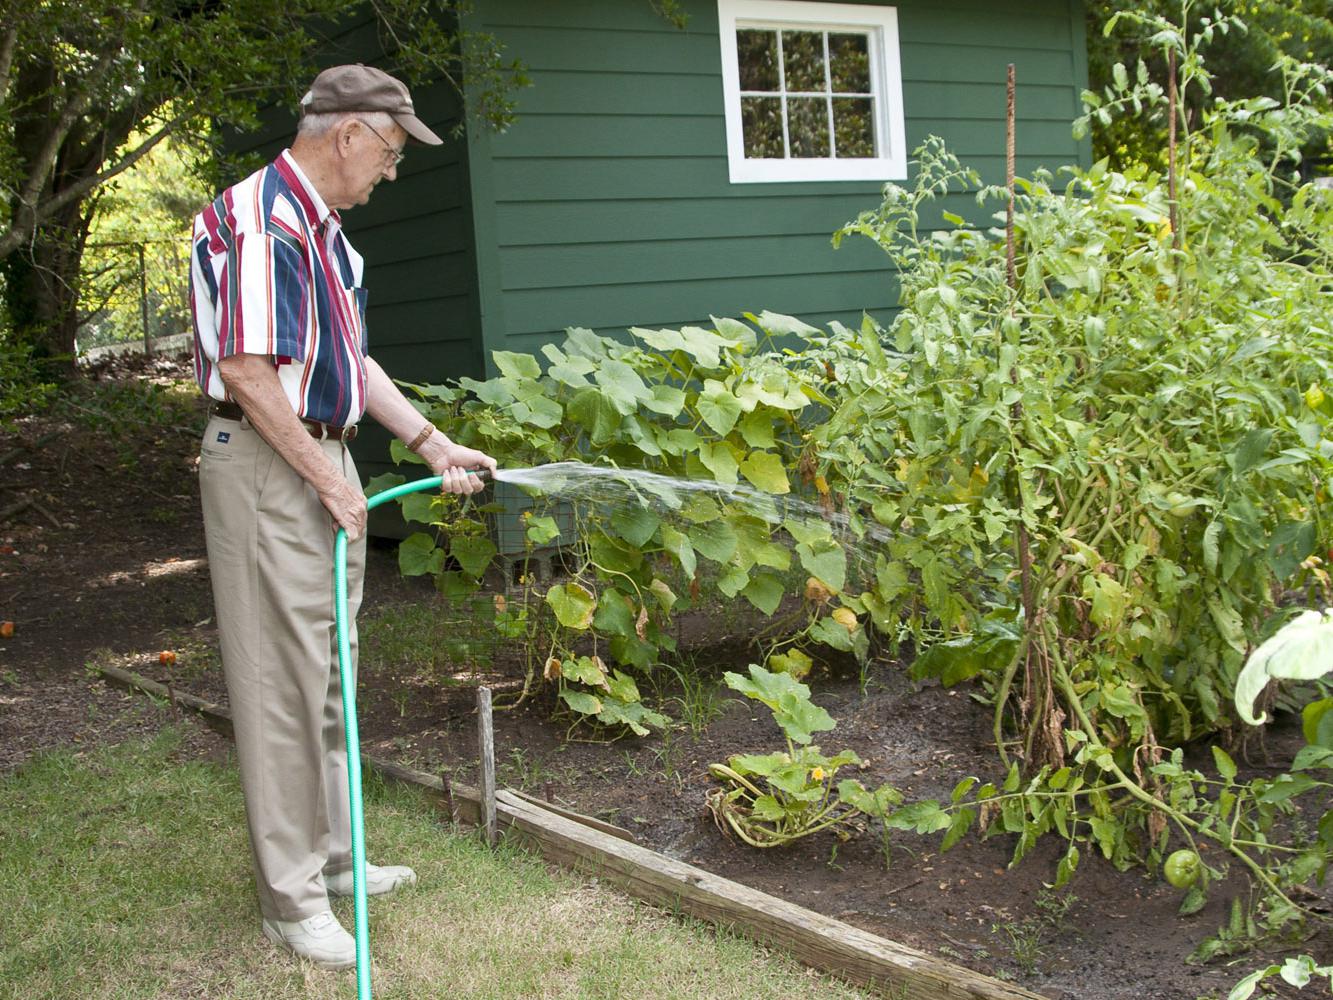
x: 598, y: 848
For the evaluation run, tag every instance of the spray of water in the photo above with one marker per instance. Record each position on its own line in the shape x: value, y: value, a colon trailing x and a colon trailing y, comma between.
x: 604, y: 490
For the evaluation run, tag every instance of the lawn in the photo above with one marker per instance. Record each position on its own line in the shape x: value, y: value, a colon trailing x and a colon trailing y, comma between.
x: 125, y: 873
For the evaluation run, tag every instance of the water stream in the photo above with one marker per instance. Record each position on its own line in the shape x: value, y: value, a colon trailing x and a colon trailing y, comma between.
x: 603, y: 491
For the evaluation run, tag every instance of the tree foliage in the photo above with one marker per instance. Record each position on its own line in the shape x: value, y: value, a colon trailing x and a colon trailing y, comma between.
x: 1243, y: 62
x: 87, y: 89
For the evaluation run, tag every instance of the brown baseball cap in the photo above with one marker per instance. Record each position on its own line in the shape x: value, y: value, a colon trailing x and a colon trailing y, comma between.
x: 356, y: 87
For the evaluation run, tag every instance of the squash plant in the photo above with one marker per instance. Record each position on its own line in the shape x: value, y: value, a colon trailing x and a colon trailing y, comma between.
x: 772, y: 799
x: 706, y: 405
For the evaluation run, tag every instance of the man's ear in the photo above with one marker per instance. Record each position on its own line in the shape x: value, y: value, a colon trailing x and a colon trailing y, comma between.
x: 343, y: 136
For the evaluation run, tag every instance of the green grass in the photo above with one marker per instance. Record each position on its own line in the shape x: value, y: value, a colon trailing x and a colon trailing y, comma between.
x: 126, y: 875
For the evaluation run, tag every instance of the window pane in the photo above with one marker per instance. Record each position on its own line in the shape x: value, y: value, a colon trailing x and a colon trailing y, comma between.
x: 757, y: 54
x: 849, y: 58
x: 854, y: 127
x: 761, y: 125
x: 807, y: 127
x: 803, y: 58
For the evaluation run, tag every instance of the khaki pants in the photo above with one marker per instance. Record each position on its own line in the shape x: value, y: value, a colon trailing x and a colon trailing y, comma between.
x: 270, y: 555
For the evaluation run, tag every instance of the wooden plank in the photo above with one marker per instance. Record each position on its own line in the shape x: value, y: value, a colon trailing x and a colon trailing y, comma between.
x: 504, y: 794
x: 560, y: 222
x: 813, y: 938
x: 537, y: 316
x: 566, y: 48
x: 625, y: 263
x: 603, y: 178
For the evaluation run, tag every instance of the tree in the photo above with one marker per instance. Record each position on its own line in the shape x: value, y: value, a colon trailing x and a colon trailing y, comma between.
x: 1241, y: 59
x: 89, y: 87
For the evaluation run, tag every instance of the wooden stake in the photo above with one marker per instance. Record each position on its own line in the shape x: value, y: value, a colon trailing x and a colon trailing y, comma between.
x: 450, y: 809
x: 1009, y: 179
x: 1171, y: 146
x: 486, y: 740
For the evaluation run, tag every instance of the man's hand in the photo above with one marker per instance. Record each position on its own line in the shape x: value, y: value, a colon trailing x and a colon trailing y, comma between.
x: 347, y: 506
x: 452, y: 462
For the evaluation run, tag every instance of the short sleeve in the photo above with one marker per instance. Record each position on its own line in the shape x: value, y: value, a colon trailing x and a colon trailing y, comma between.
x: 263, y: 298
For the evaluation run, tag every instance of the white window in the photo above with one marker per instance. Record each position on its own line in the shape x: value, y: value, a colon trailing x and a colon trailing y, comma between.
x: 813, y: 91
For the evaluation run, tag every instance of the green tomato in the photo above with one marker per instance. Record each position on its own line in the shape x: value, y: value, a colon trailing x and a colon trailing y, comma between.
x: 1182, y: 869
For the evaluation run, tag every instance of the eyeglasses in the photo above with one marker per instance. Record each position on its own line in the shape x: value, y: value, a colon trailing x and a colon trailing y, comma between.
x: 396, y: 155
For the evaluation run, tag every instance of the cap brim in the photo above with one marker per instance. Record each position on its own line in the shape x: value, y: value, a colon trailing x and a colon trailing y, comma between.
x: 416, y: 129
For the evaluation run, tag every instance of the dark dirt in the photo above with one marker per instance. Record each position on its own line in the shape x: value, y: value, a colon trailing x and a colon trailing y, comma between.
x: 109, y: 567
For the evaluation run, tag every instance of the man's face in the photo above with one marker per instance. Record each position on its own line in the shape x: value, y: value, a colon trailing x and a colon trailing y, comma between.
x: 375, y: 156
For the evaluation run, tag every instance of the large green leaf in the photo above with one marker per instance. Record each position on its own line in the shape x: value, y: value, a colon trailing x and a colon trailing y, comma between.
x: 596, y: 414
x: 632, y: 714
x: 573, y: 604
x: 615, y: 614
x: 581, y: 701
x: 585, y: 670
x: 418, y: 554
x: 718, y: 407
x: 719, y: 458
x: 764, y: 591
x: 538, y: 411
x: 623, y: 386
x: 472, y: 552
x: 825, y: 560
x: 952, y: 662
x: 515, y: 365
x: 764, y: 469
x: 624, y: 688
x: 716, y: 540
x: 384, y: 481
x: 666, y: 400
x: 678, y: 544
x: 788, y: 699
x: 636, y: 525
x: 756, y: 428
x: 831, y: 633
x: 542, y: 530
x: 421, y: 507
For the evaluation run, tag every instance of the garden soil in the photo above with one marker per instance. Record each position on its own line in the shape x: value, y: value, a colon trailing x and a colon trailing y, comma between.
x: 106, y: 565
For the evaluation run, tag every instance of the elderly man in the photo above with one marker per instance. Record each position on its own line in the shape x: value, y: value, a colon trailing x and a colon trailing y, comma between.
x: 281, y: 349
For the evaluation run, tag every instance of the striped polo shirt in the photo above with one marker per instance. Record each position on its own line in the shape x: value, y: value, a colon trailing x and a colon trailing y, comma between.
x: 272, y: 273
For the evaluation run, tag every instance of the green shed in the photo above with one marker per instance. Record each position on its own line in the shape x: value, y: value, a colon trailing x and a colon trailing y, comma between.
x: 659, y: 175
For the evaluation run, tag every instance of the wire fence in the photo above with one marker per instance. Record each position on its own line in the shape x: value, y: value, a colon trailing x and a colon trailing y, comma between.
x: 133, y: 292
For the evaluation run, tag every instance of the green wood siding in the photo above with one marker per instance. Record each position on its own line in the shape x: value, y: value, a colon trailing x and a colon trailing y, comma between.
x: 608, y: 203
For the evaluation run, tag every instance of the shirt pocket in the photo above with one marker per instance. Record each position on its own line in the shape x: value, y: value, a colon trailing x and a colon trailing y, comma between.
x: 358, y: 296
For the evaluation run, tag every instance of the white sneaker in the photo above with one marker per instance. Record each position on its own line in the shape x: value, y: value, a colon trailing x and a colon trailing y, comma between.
x: 379, y: 880
x: 319, y: 938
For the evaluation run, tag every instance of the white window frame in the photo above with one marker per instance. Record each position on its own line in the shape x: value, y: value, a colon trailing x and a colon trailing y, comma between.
x: 881, y: 25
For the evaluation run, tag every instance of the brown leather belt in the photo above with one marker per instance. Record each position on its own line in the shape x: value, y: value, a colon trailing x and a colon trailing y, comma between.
x: 232, y: 411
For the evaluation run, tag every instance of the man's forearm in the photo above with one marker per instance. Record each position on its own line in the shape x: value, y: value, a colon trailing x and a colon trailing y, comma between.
x: 390, y: 408
x: 252, y: 382
x: 387, y: 404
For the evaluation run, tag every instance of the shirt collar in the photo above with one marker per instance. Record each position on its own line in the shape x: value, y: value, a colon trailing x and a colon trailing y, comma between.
x: 317, y: 212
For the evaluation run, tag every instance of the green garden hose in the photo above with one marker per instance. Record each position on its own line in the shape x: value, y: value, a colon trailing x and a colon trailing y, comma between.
x: 353, y: 737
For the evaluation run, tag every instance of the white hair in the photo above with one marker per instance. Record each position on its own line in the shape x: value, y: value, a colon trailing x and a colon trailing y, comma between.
x: 312, y: 126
